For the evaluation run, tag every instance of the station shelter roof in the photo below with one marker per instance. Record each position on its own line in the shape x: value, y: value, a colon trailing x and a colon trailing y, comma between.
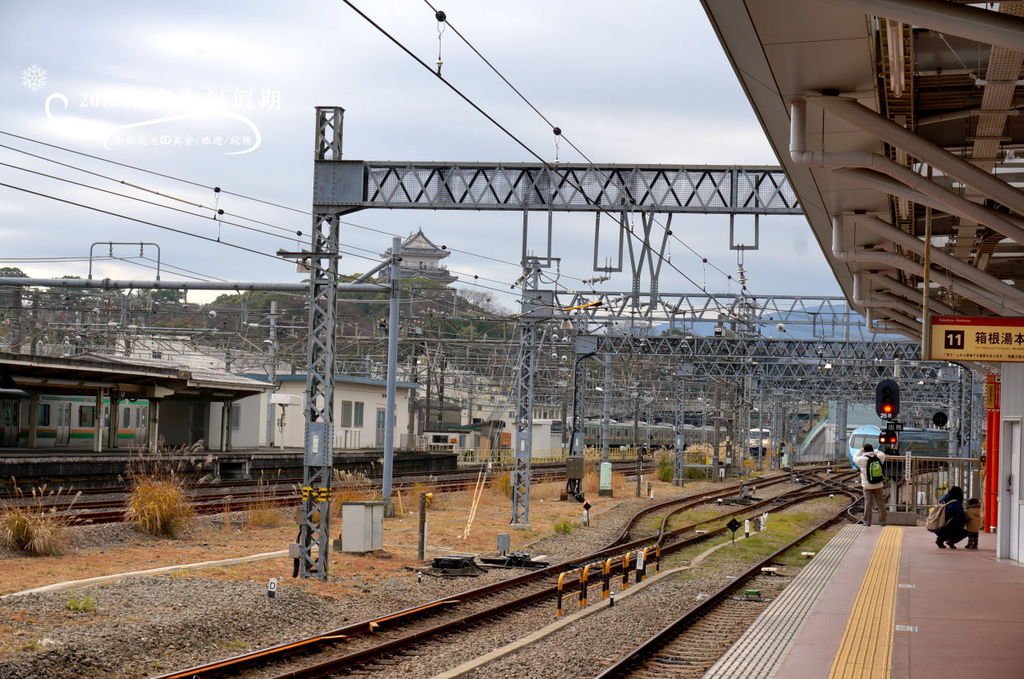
x: 143, y: 378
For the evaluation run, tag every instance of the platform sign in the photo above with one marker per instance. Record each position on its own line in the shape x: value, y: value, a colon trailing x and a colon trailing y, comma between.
x: 977, y: 338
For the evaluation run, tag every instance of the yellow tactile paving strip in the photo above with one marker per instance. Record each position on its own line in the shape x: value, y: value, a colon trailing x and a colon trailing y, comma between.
x: 865, y: 651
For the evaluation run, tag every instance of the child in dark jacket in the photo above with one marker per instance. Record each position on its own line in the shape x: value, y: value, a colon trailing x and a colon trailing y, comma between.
x: 973, y: 526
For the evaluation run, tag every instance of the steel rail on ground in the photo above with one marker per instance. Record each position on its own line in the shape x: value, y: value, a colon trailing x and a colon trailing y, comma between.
x: 376, y: 625
x: 640, y: 654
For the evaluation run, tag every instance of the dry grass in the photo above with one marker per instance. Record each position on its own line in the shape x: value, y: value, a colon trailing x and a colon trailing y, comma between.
x: 159, y: 502
x: 263, y: 512
x: 35, y: 528
x: 352, y: 487
x: 502, y: 484
x: 159, y: 506
x: 666, y: 468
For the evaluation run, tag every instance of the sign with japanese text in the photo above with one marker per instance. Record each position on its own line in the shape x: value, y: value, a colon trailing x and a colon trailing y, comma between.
x: 977, y: 338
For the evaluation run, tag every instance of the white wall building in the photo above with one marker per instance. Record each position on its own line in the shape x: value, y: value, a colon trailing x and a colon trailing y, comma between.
x: 358, y: 413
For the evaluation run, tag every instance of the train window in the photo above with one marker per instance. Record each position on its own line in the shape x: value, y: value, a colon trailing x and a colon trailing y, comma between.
x: 126, y: 417
x: 236, y: 416
x: 86, y: 416
x: 43, y: 415
x: 857, y: 442
x: 357, y: 414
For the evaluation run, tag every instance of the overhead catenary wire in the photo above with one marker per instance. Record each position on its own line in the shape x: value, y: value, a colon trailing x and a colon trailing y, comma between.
x: 559, y: 132
x: 219, y: 217
x: 180, y: 231
x: 513, y: 136
x: 142, y: 221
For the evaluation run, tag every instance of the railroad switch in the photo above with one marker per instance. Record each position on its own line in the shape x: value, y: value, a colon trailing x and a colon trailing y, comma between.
x: 513, y: 560
x: 454, y: 566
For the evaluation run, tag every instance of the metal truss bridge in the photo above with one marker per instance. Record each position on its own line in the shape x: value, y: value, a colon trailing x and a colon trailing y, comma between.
x: 346, y: 186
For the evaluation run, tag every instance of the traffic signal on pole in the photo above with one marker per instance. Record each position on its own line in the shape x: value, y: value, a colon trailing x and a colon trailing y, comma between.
x: 887, y: 399
x: 889, y: 439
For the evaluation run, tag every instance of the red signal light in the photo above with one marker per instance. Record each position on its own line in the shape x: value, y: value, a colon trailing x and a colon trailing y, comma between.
x: 886, y: 408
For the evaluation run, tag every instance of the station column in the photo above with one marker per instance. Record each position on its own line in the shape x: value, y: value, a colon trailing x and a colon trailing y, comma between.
x: 97, y: 422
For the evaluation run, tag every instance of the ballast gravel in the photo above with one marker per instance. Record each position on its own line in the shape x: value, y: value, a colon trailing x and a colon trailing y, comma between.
x: 152, y: 625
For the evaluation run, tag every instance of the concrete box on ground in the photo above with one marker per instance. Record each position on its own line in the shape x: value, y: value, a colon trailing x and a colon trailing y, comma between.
x: 362, y: 527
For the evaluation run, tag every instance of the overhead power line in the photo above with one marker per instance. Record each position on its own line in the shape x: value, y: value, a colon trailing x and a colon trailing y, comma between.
x: 565, y: 177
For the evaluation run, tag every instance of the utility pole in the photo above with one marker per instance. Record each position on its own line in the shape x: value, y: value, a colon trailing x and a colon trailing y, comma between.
x: 389, y: 408
x: 527, y: 367
x: 272, y: 371
x: 318, y: 464
x: 442, y: 369
x: 16, y: 320
x: 606, y: 407
x: 716, y: 416
x: 636, y: 439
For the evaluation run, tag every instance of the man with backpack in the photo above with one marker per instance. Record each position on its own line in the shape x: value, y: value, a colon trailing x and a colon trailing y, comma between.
x: 872, y: 480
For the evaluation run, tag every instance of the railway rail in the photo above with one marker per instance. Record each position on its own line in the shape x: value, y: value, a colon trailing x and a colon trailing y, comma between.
x: 690, y: 644
x: 240, y: 496
x: 381, y: 639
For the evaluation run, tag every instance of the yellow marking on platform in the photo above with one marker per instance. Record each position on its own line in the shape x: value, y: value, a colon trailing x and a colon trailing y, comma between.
x: 865, y: 651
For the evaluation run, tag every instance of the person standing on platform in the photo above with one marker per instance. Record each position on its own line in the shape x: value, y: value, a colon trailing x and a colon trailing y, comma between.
x: 872, y: 481
x: 952, y: 531
x: 973, y: 525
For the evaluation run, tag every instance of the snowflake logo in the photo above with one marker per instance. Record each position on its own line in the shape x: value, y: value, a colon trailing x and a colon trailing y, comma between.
x: 33, y: 77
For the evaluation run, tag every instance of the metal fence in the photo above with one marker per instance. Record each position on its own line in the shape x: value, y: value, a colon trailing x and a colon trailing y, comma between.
x: 917, y: 482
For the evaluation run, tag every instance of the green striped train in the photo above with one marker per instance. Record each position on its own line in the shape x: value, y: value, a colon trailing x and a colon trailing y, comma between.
x: 70, y: 421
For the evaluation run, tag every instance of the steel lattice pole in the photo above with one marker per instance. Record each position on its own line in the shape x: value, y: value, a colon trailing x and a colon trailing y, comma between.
x: 318, y: 463
x: 527, y: 370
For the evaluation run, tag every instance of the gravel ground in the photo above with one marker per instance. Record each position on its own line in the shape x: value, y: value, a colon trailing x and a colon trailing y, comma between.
x: 144, y: 626
x: 588, y: 647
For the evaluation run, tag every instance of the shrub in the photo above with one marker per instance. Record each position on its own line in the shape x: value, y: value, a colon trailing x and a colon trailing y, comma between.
x: 159, y: 502
x: 352, y: 487
x: 414, y: 496
x: 34, y: 533
x: 666, y: 467
x: 36, y: 529
x: 564, y: 527
x: 159, y: 506
x: 503, y: 484
x: 263, y: 511
x: 84, y: 604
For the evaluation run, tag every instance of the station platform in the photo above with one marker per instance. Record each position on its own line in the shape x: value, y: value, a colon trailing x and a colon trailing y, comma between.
x: 885, y: 602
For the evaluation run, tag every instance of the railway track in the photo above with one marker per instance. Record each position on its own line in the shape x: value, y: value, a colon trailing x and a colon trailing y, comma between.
x: 689, y: 645
x: 240, y: 496
x: 380, y: 642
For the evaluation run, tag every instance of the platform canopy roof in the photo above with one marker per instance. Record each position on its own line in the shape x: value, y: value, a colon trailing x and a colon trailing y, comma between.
x: 889, y: 93
x: 136, y: 378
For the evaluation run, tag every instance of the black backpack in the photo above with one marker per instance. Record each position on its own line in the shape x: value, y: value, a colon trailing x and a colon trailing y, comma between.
x: 874, y: 472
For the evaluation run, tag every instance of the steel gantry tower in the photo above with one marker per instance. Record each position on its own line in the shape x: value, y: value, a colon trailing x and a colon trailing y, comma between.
x: 615, y: 191
x: 618, y: 194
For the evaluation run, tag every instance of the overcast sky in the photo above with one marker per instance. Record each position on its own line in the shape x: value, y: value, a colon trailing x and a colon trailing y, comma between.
x: 223, y: 94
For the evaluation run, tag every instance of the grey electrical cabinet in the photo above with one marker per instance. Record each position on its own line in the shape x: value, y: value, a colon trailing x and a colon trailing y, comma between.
x: 362, y: 527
